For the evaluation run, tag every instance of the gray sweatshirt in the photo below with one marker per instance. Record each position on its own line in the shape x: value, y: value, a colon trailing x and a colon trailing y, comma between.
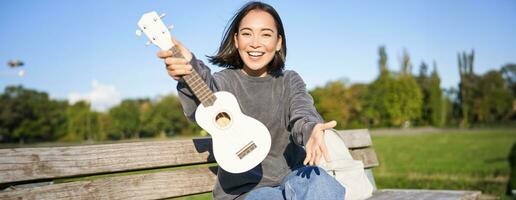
x: 281, y: 102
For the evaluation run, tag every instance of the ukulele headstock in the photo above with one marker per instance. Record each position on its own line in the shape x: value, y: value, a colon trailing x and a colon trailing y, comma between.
x: 153, y: 27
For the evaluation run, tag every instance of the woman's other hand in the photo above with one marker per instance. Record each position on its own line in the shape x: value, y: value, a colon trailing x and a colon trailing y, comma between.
x: 316, y: 146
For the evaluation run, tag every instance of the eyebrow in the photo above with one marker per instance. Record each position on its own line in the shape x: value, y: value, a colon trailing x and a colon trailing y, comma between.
x: 263, y: 29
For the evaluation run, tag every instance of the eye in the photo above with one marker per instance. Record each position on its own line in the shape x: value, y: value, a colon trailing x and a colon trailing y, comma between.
x: 245, y: 34
x: 267, y: 35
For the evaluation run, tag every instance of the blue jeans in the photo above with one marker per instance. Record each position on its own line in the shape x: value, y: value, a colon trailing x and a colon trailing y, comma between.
x: 307, y: 182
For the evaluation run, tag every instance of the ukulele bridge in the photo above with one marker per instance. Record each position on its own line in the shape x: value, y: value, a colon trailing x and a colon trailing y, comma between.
x: 246, y: 150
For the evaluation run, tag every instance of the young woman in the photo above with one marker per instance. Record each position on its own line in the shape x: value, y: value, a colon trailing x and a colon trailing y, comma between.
x: 253, y: 51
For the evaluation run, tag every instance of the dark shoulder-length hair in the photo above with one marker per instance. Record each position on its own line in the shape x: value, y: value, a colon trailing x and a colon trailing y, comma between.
x: 227, y: 55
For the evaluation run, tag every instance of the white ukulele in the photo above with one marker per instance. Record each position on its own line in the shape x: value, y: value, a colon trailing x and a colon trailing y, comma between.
x: 239, y: 142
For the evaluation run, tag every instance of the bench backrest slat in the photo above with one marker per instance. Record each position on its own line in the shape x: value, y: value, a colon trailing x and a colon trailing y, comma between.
x: 22, y: 164
x: 156, y: 185
x: 356, y: 138
x: 367, y: 156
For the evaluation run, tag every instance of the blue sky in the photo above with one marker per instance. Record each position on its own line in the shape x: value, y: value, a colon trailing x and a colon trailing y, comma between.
x: 88, y: 49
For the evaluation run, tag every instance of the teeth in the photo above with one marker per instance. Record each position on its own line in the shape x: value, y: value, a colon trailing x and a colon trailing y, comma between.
x: 255, y: 53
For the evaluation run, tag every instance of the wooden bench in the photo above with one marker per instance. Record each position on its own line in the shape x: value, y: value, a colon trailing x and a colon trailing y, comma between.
x: 149, y: 170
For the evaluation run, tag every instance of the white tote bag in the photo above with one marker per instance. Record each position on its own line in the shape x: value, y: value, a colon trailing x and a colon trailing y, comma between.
x: 348, y: 172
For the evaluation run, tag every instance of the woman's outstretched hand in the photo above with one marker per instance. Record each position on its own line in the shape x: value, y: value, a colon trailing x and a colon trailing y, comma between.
x: 316, y: 147
x: 177, y: 67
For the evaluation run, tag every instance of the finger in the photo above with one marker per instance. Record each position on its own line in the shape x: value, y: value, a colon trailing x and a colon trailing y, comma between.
x: 179, y: 72
x: 173, y: 60
x: 317, y: 158
x: 179, y: 67
x: 175, y: 77
x: 165, y: 54
x: 314, y: 155
x: 308, y: 151
x: 329, y: 125
x: 184, y: 51
x: 307, y: 158
x: 324, y: 150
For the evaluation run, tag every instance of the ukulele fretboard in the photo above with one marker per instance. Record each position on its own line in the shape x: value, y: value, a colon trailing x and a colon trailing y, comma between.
x: 197, y: 84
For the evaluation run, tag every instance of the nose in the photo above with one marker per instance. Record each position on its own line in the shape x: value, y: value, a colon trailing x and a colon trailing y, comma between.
x: 255, y: 43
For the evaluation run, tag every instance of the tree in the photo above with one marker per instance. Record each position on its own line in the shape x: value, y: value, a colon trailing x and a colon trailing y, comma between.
x: 492, y: 98
x: 406, y: 66
x: 466, y: 86
x: 509, y: 74
x: 332, y: 102
x: 410, y: 100
x: 432, y: 112
x: 435, y: 100
x: 392, y: 100
x: 78, y: 122
x: 125, y: 119
x: 382, y: 62
x: 30, y: 116
x: 423, y: 81
x: 357, y: 94
x: 165, y: 118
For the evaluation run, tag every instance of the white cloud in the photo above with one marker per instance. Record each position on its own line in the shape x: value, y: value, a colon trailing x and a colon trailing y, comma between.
x: 102, y: 97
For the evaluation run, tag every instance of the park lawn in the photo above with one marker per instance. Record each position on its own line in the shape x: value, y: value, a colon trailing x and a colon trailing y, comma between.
x: 451, y: 160
x: 467, y: 160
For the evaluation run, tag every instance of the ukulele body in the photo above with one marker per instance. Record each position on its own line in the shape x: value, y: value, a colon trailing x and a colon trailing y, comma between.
x: 239, y: 141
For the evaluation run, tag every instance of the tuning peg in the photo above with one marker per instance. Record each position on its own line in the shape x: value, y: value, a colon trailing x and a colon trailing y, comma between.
x: 162, y: 15
x: 138, y: 32
x: 148, y: 43
x: 170, y: 27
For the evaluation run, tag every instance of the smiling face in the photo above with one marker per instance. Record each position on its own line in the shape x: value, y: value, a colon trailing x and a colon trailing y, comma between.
x: 257, y: 41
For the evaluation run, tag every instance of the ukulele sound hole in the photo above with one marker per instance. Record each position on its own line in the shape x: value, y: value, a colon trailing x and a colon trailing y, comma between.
x: 222, y: 119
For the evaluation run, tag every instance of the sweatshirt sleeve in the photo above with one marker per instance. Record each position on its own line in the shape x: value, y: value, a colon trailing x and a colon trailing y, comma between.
x: 189, y: 101
x: 303, y: 115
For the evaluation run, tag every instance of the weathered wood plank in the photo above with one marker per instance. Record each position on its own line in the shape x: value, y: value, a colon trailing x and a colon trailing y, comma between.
x: 23, y: 164
x: 356, y: 138
x: 412, y: 194
x: 20, y: 164
x: 366, y: 155
x: 156, y: 185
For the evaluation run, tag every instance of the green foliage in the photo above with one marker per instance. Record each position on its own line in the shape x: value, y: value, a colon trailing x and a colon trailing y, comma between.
x: 84, y: 124
x: 406, y: 66
x: 78, y: 122
x: 331, y: 103
x: 28, y: 116
x: 509, y: 73
x: 432, y: 112
x: 165, y: 118
x: 492, y: 100
x: 357, y: 99
x: 436, y: 100
x: 392, y: 101
x: 31, y: 116
x: 409, y: 100
x: 336, y: 102
x: 382, y: 62
x: 126, y: 119
x: 466, y: 86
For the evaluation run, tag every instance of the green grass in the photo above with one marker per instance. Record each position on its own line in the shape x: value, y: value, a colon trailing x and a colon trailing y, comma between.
x: 204, y: 196
x: 472, y: 160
